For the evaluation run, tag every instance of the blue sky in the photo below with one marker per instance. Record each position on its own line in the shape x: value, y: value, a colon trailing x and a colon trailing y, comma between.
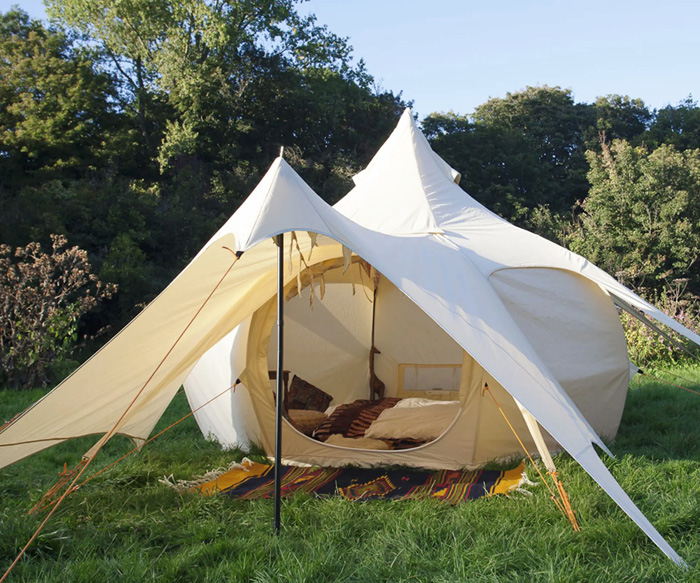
x: 454, y: 55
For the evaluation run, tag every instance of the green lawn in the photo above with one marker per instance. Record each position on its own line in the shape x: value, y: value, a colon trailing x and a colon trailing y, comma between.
x: 126, y: 526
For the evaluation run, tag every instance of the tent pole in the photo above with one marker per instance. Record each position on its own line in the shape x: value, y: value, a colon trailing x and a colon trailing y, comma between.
x: 280, y: 373
x: 376, y: 386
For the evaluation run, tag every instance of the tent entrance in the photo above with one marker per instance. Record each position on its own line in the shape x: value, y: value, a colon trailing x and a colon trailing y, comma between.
x: 331, y: 315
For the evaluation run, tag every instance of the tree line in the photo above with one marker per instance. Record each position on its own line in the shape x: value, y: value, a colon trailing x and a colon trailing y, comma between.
x: 133, y: 130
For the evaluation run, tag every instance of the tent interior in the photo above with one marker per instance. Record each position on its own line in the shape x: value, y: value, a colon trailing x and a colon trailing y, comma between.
x: 348, y: 329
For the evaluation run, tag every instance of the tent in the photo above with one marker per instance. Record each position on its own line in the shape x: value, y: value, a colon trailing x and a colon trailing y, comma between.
x: 455, y: 297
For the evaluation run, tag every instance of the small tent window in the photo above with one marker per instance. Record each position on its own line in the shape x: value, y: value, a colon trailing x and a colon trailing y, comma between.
x: 434, y: 381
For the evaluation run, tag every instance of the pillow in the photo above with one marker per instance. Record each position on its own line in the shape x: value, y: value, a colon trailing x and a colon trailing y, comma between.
x: 306, y: 421
x: 413, y: 422
x: 303, y: 395
x: 420, y: 402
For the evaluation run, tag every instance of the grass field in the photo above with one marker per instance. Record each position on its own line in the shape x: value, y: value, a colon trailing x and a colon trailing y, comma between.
x: 126, y: 526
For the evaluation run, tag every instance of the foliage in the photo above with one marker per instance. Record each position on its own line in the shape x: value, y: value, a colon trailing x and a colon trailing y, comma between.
x: 42, y: 298
x: 641, y: 217
x: 207, y: 64
x: 678, y: 126
x: 57, y: 111
x: 619, y: 117
x: 647, y: 348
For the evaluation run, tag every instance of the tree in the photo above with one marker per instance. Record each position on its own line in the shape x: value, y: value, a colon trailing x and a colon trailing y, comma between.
x: 620, y: 118
x: 57, y: 113
x: 522, y: 155
x: 199, y: 56
x: 679, y: 126
x: 641, y: 218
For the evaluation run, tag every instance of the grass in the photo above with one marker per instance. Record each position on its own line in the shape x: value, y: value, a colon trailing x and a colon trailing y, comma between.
x: 126, y: 526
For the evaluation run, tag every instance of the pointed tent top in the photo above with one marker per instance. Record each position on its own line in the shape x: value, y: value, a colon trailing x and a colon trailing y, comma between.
x: 390, y: 194
x: 281, y: 200
x: 407, y: 127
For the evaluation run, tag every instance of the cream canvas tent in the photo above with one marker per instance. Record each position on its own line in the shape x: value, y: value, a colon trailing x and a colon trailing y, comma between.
x: 462, y: 299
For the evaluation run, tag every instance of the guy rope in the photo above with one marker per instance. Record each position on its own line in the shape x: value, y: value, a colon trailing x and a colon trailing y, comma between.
x: 562, y: 502
x: 79, y: 470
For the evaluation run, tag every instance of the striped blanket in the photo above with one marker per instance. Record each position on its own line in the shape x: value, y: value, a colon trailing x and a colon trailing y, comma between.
x: 353, y: 419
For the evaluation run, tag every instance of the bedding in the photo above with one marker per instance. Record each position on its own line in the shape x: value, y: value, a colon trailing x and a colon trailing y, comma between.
x: 353, y: 419
x: 306, y: 421
x: 420, y: 402
x: 414, y: 422
x: 400, y: 423
x: 357, y: 442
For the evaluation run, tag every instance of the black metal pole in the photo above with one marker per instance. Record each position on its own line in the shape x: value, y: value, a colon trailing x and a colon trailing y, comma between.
x: 280, y: 375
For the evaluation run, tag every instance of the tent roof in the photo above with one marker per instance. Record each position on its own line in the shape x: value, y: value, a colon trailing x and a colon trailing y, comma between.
x: 381, y: 200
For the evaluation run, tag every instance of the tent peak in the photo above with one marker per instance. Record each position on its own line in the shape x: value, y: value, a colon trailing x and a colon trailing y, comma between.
x: 397, y: 192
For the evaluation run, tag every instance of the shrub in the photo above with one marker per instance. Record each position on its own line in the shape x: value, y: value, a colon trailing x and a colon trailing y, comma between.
x: 646, y: 347
x: 42, y: 298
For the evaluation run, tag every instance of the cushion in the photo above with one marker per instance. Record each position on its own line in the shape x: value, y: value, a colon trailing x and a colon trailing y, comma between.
x: 306, y: 420
x: 423, y: 423
x: 303, y: 395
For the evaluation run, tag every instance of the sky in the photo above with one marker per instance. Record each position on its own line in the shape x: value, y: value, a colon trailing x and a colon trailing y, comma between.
x: 453, y: 55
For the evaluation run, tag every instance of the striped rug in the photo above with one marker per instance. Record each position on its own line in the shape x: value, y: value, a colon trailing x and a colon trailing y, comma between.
x: 251, y: 481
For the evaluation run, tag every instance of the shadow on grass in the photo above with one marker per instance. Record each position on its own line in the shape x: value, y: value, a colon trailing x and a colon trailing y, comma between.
x: 661, y: 422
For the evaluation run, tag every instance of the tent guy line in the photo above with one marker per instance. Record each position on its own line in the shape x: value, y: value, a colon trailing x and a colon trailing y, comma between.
x: 90, y: 455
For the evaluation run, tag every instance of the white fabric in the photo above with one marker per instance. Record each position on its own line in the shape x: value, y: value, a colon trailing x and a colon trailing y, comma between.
x: 329, y: 340
x: 418, y: 402
x: 413, y: 422
x: 578, y: 335
x: 400, y: 328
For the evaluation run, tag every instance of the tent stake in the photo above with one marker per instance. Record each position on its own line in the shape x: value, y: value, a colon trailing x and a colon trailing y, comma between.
x: 280, y: 374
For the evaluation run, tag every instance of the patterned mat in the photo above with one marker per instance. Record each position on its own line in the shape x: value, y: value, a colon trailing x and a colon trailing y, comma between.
x: 251, y: 480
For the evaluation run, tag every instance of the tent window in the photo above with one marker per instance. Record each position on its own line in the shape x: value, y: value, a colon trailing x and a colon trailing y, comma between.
x: 434, y: 381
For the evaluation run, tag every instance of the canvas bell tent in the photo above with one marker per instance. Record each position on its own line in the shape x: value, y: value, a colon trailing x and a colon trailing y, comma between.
x: 446, y: 296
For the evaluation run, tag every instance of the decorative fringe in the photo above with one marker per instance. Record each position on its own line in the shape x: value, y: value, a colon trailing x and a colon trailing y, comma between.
x: 525, y: 482
x: 210, y: 476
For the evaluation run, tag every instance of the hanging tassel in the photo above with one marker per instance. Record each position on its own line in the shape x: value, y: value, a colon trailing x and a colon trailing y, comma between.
x: 299, y: 286
x: 347, y: 259
x: 323, y: 286
x: 312, y: 236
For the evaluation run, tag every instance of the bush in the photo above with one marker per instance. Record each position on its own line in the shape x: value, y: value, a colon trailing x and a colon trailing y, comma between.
x: 646, y: 347
x: 42, y: 298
